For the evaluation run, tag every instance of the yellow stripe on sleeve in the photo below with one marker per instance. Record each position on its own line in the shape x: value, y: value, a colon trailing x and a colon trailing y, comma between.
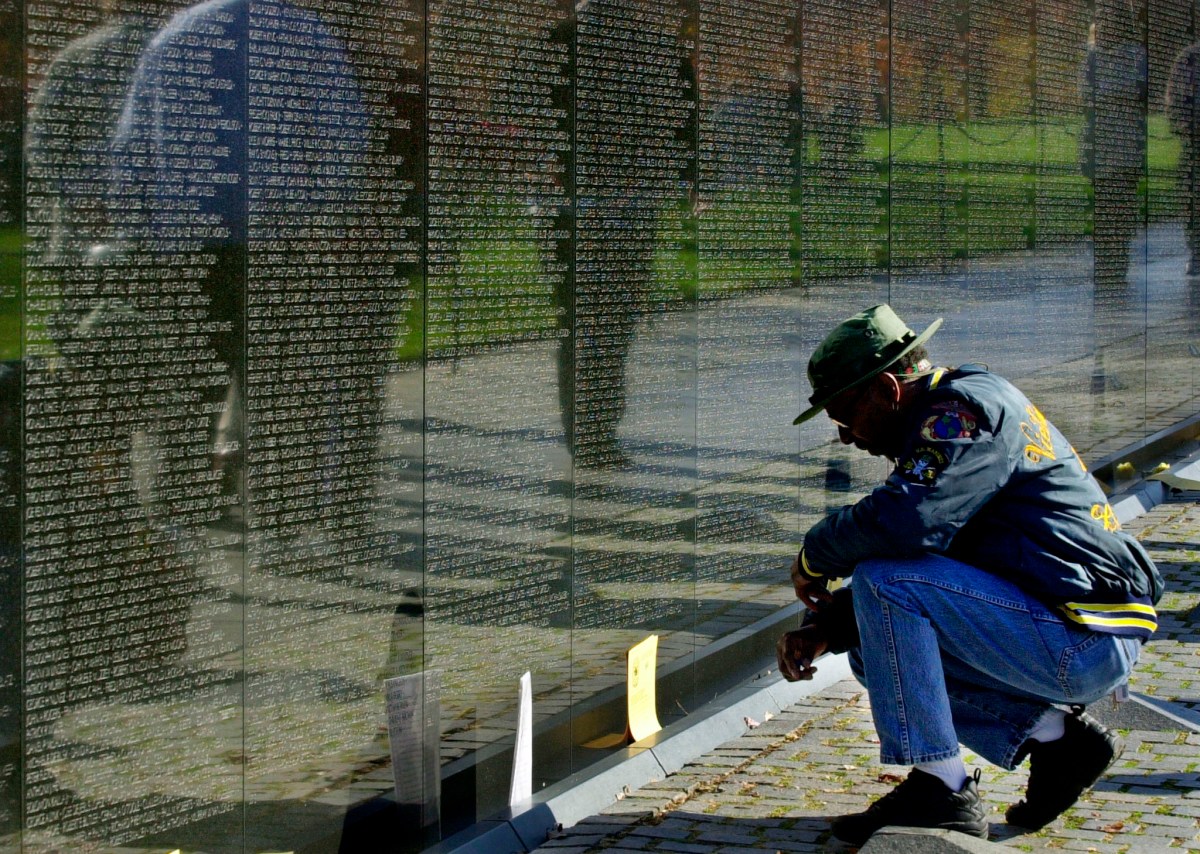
x: 1122, y: 606
x: 807, y: 569
x: 1149, y: 624
x: 1115, y: 623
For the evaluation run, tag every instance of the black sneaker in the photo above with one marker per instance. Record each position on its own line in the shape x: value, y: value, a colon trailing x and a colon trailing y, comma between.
x: 920, y: 801
x: 1060, y: 771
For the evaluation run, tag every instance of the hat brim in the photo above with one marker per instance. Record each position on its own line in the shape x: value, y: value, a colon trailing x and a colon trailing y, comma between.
x: 912, y: 345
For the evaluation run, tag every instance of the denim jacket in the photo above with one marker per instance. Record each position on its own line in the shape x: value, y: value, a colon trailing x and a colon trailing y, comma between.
x: 985, y: 479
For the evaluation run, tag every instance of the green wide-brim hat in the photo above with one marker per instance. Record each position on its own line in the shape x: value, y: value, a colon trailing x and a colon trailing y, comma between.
x: 861, y: 347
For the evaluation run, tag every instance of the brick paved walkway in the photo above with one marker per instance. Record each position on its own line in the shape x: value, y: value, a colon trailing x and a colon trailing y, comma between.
x: 774, y: 788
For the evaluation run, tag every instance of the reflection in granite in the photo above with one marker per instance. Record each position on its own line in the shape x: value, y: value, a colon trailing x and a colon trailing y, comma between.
x: 344, y: 342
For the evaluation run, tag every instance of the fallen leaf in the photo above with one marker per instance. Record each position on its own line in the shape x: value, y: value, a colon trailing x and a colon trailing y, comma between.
x: 890, y: 778
x: 849, y: 767
x: 1115, y: 827
x: 751, y: 722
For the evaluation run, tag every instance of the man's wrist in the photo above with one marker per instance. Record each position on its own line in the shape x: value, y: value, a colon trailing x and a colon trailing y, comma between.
x: 836, y: 622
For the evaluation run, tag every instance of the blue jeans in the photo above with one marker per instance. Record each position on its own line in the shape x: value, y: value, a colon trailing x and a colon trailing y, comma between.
x: 953, y: 654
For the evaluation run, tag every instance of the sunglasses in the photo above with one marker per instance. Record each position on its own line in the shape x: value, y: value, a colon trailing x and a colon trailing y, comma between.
x: 842, y: 407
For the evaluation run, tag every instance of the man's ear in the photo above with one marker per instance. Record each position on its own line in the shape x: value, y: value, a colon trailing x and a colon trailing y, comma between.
x: 892, y: 387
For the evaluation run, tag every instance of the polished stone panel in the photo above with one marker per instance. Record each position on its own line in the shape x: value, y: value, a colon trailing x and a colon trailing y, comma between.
x: 350, y: 341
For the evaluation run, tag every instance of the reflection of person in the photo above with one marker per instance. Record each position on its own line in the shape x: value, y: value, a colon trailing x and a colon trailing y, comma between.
x: 100, y: 375
x: 1113, y: 150
x: 991, y: 582
x: 73, y: 119
x: 627, y: 175
x: 182, y: 216
x: 296, y: 187
x: 1183, y: 91
x: 11, y: 686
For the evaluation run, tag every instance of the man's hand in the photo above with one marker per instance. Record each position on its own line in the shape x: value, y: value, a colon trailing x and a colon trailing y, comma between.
x: 811, y: 591
x: 795, y: 652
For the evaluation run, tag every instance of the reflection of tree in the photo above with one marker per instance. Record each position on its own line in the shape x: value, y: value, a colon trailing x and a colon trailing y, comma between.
x: 849, y: 64
x: 997, y: 54
x: 843, y: 92
x: 497, y: 180
x: 12, y: 107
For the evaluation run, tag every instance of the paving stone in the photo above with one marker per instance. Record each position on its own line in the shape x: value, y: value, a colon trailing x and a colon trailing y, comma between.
x: 633, y: 843
x: 909, y: 841
x: 684, y: 847
x: 584, y: 839
x: 661, y: 832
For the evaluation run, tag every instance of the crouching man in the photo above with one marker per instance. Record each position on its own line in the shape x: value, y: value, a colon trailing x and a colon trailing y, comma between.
x: 991, y: 583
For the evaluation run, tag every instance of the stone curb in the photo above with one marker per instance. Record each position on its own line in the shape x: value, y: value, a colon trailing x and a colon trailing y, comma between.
x: 916, y: 840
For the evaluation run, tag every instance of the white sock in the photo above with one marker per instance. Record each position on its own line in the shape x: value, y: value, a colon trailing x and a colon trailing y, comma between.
x: 950, y: 771
x: 1049, y: 726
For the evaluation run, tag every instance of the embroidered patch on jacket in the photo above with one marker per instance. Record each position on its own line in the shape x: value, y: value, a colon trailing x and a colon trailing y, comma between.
x: 924, y: 465
x: 953, y: 422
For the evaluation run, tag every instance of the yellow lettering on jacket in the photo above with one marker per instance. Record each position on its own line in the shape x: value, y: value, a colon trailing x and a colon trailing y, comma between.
x: 1104, y: 514
x: 1037, y: 431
